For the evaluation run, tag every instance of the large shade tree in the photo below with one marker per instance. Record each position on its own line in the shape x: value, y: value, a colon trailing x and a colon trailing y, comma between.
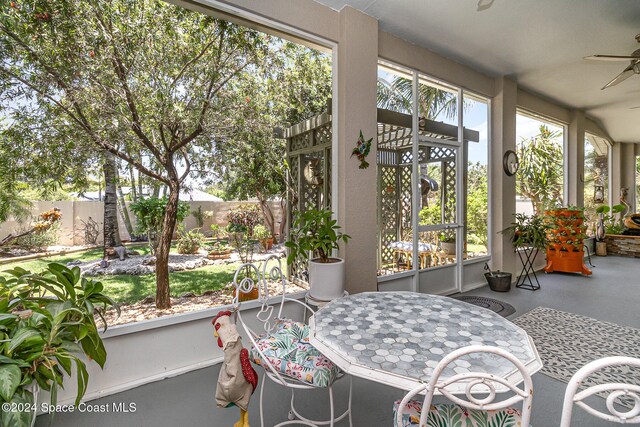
x: 147, y: 81
x: 252, y: 163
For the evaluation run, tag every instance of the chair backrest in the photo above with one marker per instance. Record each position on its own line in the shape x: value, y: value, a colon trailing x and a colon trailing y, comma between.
x: 249, y: 277
x: 614, y: 390
x: 476, y: 383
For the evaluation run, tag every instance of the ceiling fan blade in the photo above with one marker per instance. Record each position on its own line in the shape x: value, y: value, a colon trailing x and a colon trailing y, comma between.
x: 611, y: 58
x: 484, y: 4
x: 628, y: 72
x: 635, y: 108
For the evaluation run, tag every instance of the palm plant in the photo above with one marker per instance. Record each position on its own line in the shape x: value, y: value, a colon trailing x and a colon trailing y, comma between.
x: 540, y: 174
x: 397, y: 95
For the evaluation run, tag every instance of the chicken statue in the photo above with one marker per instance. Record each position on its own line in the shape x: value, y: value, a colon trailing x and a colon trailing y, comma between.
x: 237, y: 380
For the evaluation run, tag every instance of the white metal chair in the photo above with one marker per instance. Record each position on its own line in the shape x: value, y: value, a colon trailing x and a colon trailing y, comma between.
x: 409, y: 412
x: 615, y: 390
x: 304, y: 368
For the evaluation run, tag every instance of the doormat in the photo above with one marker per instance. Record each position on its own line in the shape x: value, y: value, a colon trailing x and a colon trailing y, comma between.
x: 502, y: 308
x: 566, y: 342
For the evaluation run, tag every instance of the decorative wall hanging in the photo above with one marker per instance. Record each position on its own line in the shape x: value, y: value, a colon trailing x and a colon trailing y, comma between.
x: 362, y: 150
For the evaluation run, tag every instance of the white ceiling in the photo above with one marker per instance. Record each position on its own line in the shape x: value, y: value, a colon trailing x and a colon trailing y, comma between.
x: 538, y: 43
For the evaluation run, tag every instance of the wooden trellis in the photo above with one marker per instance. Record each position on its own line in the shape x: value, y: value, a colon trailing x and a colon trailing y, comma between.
x: 309, y: 157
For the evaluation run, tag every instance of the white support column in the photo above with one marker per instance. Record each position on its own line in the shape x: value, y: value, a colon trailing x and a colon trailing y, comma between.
x: 628, y: 163
x: 502, y: 198
x: 357, y: 198
x: 615, y: 173
x: 574, y: 177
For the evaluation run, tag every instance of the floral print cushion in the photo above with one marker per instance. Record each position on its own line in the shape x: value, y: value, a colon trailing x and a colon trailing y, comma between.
x: 451, y: 415
x: 289, y: 351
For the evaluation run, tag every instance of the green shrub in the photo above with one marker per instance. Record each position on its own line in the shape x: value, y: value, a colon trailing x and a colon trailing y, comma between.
x: 243, y: 219
x: 39, y: 240
x: 150, y: 216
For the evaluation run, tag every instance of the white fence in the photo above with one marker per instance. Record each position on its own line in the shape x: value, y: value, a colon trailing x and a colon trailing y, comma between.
x: 71, y: 230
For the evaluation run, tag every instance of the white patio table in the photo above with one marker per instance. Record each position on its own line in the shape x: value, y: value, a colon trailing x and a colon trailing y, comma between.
x: 397, y: 338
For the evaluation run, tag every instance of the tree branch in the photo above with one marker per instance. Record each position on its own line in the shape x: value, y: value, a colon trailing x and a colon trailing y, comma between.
x: 205, y: 106
x: 192, y: 61
x: 121, y: 73
x: 188, y: 165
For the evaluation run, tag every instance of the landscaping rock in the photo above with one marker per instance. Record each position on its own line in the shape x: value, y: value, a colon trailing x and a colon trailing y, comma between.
x: 149, y: 260
x: 188, y: 295
x: 140, y: 265
x: 121, y: 251
x: 148, y: 300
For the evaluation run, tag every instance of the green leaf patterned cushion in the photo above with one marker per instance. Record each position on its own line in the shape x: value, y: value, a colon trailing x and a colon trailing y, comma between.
x: 450, y: 415
x: 289, y: 351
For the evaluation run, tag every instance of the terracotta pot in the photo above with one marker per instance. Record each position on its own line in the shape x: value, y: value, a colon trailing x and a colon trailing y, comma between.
x: 251, y: 295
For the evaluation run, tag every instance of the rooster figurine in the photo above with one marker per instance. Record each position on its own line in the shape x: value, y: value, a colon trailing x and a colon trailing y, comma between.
x: 237, y: 380
x: 362, y: 151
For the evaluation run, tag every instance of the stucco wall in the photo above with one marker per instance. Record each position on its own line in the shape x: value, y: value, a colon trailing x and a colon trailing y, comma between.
x: 71, y: 230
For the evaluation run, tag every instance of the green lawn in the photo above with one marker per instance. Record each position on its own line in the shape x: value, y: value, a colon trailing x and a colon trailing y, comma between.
x: 128, y: 289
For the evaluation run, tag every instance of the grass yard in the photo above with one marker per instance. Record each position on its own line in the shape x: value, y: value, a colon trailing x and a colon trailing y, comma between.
x: 130, y: 289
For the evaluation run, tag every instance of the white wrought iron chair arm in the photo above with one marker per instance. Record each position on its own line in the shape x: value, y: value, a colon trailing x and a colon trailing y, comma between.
x: 616, y: 390
x: 410, y: 395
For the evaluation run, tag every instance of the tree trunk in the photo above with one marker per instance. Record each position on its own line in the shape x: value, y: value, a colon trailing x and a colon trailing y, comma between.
x: 111, y: 231
x: 283, y: 222
x: 132, y: 178
x: 267, y: 214
x: 163, y: 299
x: 125, y: 213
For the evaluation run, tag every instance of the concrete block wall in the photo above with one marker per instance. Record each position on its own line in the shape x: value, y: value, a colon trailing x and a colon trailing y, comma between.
x: 71, y: 229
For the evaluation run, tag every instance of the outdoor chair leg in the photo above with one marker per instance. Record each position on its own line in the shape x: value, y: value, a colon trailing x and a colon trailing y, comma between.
x: 264, y: 380
x: 350, y: 394
x: 302, y: 420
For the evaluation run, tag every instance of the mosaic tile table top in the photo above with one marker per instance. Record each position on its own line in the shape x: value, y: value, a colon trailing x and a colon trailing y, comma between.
x: 397, y: 338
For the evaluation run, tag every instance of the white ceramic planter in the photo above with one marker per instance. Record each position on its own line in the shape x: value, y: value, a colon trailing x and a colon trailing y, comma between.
x: 326, y: 280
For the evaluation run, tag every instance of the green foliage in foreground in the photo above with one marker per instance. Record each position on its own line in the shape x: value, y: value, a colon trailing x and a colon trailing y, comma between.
x: 47, y: 326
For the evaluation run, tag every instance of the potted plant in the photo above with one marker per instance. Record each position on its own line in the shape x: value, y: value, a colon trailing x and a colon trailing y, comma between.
x: 314, y: 236
x: 189, y: 242
x: 263, y: 235
x: 528, y: 230
x: 607, y: 224
x: 47, y: 325
x: 218, y: 232
x: 219, y: 250
x: 448, y: 243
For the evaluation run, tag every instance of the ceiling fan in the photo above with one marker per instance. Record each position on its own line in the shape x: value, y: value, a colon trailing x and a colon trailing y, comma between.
x: 631, y: 69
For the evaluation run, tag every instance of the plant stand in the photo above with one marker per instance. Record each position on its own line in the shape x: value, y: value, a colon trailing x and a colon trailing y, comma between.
x: 565, y: 251
x: 527, y: 256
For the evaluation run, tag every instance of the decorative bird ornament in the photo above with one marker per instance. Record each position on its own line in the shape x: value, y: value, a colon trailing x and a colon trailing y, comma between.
x: 362, y: 151
x: 237, y: 380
